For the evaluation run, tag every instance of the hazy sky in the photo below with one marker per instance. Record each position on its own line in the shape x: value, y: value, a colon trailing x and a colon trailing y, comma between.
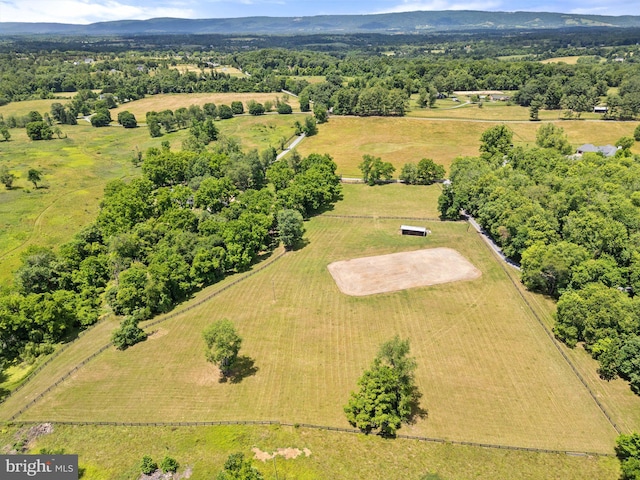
x: 89, y: 11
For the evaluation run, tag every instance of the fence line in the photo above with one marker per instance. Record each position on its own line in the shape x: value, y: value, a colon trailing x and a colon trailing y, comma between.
x: 51, y: 358
x: 556, y: 343
x: 320, y: 427
x: 383, y: 217
x: 151, y: 324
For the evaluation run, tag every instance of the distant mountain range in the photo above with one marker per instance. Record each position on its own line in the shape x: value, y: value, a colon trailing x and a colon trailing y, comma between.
x: 389, y: 23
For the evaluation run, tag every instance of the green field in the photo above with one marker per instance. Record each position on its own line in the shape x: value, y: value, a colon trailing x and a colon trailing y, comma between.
x: 487, y: 370
x: 402, y: 140
x: 76, y: 169
x: 115, y: 453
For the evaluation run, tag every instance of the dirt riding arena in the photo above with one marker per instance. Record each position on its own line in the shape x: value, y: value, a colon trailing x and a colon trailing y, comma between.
x: 399, y: 271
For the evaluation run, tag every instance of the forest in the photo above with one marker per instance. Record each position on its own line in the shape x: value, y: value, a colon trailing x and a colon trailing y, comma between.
x: 573, y: 223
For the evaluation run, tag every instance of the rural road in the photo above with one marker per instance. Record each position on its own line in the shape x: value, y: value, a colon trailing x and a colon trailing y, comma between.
x: 293, y: 145
x: 489, y: 241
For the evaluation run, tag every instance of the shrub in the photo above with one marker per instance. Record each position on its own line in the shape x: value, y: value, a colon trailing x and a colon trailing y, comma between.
x: 169, y: 465
x: 39, y: 131
x: 147, y: 465
x: 128, y: 334
x: 237, y: 108
x: 255, y: 108
x: 284, y: 108
x: 100, y: 119
x: 224, y: 112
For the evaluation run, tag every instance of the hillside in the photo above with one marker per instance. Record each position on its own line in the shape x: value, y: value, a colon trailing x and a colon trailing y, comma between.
x: 406, y: 22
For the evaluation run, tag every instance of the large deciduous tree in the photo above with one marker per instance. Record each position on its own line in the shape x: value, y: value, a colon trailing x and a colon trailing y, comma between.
x: 374, y: 169
x: 290, y: 227
x: 388, y: 395
x: 223, y: 344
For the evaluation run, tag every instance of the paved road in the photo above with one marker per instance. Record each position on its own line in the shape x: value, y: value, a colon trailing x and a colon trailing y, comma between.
x: 293, y: 145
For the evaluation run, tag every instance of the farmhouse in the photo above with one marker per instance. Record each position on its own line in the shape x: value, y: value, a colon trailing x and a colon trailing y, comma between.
x: 606, y: 150
x: 411, y: 230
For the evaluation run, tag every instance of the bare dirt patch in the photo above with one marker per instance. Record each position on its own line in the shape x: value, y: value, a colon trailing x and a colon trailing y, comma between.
x: 161, y: 332
x: 399, y: 271
x: 25, y: 438
x: 287, y: 453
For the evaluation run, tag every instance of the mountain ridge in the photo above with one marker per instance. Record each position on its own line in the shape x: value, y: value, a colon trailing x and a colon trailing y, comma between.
x: 404, y: 22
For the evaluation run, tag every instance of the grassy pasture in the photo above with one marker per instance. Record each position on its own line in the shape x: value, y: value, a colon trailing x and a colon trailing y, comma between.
x: 191, y: 67
x: 333, y: 455
x: 487, y: 370
x: 310, y: 78
x: 22, y: 108
x: 75, y: 170
x: 571, y: 60
x: 498, y: 111
x: 173, y: 101
x: 615, y: 395
x: 402, y: 140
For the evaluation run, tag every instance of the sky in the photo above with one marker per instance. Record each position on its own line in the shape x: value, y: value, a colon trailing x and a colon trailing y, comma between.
x: 90, y: 11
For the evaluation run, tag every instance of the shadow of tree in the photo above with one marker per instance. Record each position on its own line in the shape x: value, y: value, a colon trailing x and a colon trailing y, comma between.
x: 417, y: 412
x: 243, y: 367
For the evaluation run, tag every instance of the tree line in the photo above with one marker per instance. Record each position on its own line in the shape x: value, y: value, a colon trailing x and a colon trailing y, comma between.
x: 574, y: 224
x: 190, y: 219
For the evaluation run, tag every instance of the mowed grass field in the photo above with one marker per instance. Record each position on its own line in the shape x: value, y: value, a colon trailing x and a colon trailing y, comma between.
x: 115, y: 453
x: 403, y: 140
x: 498, y: 111
x: 487, y: 370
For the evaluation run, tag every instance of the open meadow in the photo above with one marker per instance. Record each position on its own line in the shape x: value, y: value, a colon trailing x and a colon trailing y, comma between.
x: 107, y: 452
x: 76, y: 168
x: 403, y: 140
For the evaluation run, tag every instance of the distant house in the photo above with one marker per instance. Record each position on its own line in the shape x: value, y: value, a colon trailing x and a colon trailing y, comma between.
x: 600, y: 109
x: 499, y: 98
x: 606, y: 150
x: 411, y: 230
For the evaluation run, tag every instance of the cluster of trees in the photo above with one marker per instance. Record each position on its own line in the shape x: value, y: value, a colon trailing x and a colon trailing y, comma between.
x: 425, y: 172
x: 574, y: 224
x: 192, y: 218
x: 628, y: 452
x: 388, y: 395
x: 580, y: 91
x: 169, y: 120
x: 168, y: 465
x: 7, y: 178
x: 238, y: 468
x: 375, y: 171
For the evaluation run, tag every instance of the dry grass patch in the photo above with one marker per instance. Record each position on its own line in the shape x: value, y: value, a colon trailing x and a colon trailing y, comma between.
x: 399, y: 271
x: 407, y: 139
x: 173, y: 101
